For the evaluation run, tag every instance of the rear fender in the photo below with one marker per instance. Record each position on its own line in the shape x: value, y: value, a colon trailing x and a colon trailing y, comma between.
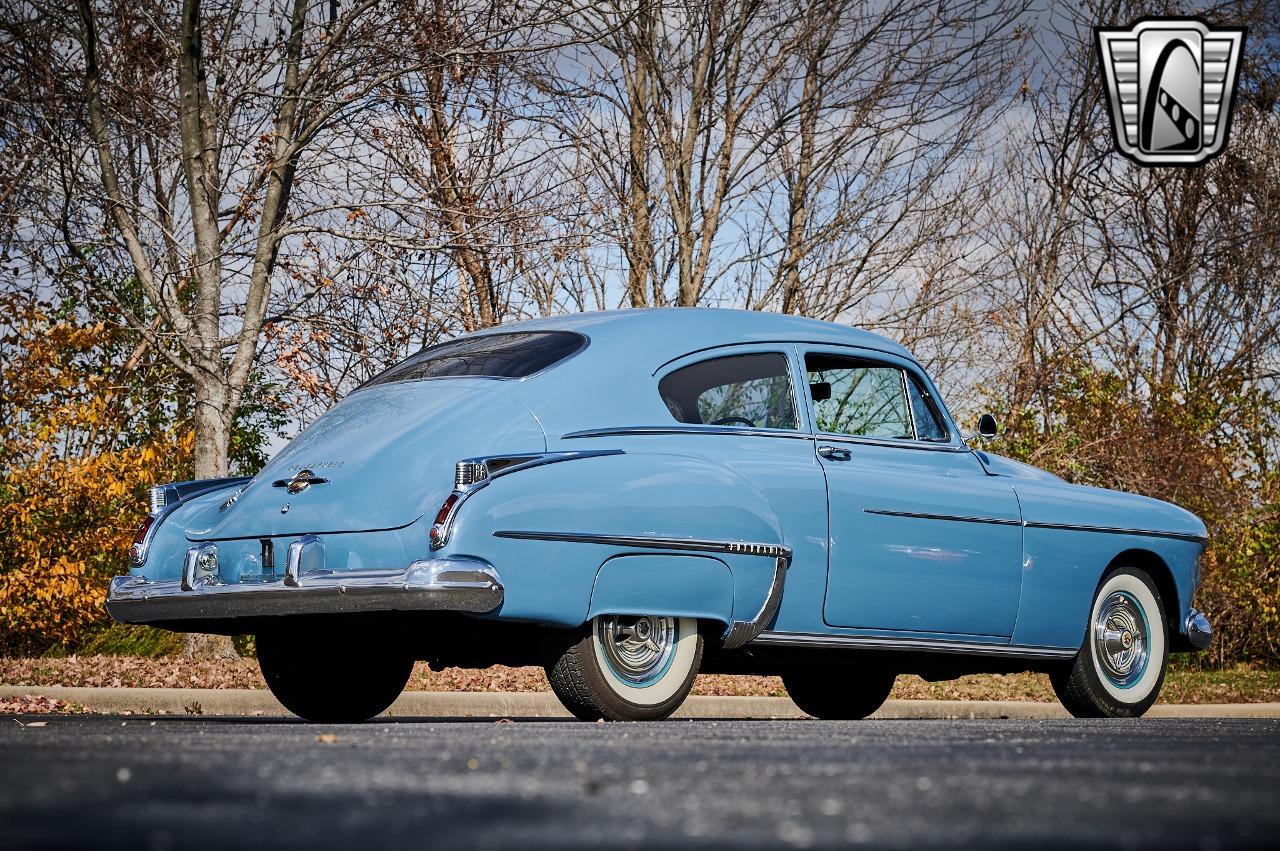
x: 646, y: 495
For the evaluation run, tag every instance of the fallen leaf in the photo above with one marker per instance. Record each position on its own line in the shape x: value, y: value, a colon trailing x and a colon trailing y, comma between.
x: 327, y: 738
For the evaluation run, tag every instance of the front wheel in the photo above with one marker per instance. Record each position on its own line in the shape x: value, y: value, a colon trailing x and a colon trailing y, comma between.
x: 1121, y: 664
x: 336, y: 681
x: 628, y: 668
x: 838, y: 697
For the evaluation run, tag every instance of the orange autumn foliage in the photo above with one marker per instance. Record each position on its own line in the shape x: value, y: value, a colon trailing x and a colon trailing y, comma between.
x: 75, y: 473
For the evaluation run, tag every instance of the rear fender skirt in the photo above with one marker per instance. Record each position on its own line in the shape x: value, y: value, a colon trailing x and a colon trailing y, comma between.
x: 742, y: 628
x: 687, y: 586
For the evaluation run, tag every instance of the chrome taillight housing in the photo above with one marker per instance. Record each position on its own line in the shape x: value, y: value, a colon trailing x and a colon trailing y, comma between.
x: 440, y: 528
x: 138, y: 550
x: 467, y: 475
x: 157, y: 499
x: 472, y: 474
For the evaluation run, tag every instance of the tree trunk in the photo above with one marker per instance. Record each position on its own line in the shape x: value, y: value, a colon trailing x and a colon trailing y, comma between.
x: 639, y: 246
x: 201, y: 646
x: 212, y: 432
x: 212, y: 442
x: 789, y: 269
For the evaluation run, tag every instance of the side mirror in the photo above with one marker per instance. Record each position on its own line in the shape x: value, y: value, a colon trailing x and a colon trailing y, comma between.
x: 987, y: 426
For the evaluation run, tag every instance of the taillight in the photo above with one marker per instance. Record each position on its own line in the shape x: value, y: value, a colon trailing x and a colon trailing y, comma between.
x: 138, y: 552
x: 443, y: 514
x: 439, y: 531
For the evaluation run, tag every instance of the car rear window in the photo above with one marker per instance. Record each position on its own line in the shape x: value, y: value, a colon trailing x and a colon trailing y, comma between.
x: 512, y: 355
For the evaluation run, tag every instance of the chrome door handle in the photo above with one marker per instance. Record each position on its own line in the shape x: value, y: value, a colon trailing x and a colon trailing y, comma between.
x: 834, y: 453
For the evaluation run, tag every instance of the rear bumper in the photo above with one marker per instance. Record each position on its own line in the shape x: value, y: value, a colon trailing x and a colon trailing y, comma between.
x: 456, y: 585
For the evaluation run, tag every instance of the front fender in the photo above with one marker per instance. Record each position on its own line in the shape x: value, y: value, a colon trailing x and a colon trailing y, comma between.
x: 1073, y: 533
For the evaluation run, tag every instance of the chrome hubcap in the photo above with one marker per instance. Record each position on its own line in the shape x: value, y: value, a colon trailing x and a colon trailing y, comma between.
x: 637, y: 648
x: 1120, y: 639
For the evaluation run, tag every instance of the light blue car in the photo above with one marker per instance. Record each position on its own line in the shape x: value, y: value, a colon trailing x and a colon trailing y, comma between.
x: 628, y: 498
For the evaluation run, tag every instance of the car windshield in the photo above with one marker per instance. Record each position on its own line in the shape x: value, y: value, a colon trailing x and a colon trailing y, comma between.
x: 511, y: 355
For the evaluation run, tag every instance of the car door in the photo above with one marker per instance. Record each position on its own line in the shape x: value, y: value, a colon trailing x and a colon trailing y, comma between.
x: 739, y: 407
x: 922, y: 540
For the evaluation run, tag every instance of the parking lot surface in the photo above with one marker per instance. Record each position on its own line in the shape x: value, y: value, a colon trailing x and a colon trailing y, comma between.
x: 190, y: 782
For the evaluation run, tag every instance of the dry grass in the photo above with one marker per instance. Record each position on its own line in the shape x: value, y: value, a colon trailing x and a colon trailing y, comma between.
x: 1241, y: 684
x: 35, y: 704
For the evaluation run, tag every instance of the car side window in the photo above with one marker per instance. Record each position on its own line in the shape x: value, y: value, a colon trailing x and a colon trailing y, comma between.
x: 865, y: 398
x: 924, y: 412
x: 751, y: 391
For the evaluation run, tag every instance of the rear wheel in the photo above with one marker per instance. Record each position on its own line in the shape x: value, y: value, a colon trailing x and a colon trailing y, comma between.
x: 628, y: 668
x: 838, y: 698
x: 331, y: 680
x: 1121, y: 664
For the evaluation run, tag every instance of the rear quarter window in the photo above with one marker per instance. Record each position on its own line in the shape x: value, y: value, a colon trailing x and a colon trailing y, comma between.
x: 511, y: 355
x: 743, y: 391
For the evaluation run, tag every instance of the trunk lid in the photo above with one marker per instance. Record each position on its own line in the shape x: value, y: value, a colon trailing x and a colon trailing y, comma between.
x: 388, y: 455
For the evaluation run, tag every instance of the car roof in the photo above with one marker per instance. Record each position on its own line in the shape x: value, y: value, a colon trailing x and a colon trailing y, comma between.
x: 657, y: 335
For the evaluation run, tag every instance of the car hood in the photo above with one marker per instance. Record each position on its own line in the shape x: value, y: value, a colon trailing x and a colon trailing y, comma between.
x: 388, y: 454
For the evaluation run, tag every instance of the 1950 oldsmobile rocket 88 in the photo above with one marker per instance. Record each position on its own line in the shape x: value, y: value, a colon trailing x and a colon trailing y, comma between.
x: 628, y: 498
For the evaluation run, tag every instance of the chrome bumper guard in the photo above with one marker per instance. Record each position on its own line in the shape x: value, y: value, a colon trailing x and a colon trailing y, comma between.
x: 455, y: 585
x: 1199, y: 630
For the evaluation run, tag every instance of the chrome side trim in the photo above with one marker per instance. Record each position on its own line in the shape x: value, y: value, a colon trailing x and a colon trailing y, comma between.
x: 903, y: 443
x: 740, y: 632
x: 497, y: 466
x: 624, y: 431
x: 920, y: 645
x: 460, y: 585
x: 1030, y: 524
x: 1002, y: 521
x: 1199, y: 630
x: 1116, y: 530
x: 654, y: 542
x: 515, y: 463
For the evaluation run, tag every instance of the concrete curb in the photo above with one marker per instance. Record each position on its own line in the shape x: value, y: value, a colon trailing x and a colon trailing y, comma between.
x: 463, y: 704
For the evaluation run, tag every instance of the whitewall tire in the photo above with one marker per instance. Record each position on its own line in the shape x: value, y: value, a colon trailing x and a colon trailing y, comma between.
x: 1125, y: 654
x: 628, y: 668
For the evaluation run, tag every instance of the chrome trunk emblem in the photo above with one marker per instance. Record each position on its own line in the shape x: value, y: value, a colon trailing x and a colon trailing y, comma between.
x: 301, y: 480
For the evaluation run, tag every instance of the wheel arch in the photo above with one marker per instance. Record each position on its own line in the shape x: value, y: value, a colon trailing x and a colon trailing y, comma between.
x: 1161, y: 575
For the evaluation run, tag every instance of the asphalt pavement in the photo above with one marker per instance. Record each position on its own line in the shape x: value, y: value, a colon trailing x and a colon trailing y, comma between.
x: 197, y: 782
